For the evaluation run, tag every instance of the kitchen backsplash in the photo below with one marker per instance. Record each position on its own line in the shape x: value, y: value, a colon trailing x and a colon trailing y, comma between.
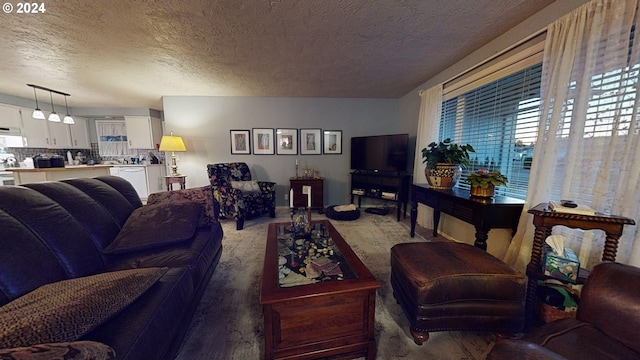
x: 93, y: 153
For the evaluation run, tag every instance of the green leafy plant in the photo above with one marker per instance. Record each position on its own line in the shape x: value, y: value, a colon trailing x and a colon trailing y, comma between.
x: 482, y: 178
x: 446, y: 151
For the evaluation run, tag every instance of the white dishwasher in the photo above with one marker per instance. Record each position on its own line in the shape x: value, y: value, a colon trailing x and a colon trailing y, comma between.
x: 136, y: 175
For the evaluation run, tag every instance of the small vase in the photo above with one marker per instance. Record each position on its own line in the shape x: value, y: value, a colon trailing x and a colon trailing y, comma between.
x: 300, y: 221
x: 482, y: 192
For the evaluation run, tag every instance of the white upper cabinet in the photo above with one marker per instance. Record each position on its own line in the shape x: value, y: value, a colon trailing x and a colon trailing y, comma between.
x: 52, y: 135
x: 59, y: 135
x: 10, y: 118
x: 35, y: 132
x: 79, y: 133
x: 143, y: 132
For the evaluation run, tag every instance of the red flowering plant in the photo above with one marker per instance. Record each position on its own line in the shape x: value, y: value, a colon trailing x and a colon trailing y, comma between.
x: 483, y: 178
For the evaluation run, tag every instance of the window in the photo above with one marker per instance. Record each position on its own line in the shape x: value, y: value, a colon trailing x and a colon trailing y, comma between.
x: 112, y: 137
x: 500, y: 120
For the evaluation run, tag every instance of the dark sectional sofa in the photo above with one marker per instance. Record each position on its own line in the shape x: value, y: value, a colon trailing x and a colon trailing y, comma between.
x: 55, y: 234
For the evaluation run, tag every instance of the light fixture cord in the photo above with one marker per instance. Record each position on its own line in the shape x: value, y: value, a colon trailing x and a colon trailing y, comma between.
x: 51, y: 96
x: 35, y: 96
x: 65, y: 104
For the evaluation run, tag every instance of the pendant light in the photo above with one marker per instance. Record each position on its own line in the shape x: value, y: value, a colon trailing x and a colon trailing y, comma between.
x: 67, y: 118
x: 37, y: 113
x: 53, y: 117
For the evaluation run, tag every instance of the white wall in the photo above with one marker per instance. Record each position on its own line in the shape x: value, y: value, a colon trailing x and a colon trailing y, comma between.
x: 204, y: 123
x: 409, y: 107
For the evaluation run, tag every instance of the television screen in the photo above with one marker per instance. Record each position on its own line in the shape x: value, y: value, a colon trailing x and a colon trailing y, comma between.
x: 379, y: 153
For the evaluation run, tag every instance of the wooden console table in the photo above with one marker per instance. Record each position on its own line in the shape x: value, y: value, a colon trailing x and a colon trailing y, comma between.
x: 484, y: 214
x: 544, y: 220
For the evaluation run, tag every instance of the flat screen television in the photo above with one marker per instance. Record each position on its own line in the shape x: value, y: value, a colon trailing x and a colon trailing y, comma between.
x: 380, y: 153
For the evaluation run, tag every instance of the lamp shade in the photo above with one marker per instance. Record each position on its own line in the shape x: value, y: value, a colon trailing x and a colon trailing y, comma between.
x: 172, y: 143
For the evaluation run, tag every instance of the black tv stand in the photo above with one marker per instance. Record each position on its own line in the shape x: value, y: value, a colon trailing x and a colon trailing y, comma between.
x: 388, y: 186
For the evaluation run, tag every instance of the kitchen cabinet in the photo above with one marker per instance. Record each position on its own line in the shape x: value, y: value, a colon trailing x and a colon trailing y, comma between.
x: 146, y: 179
x: 10, y: 117
x: 143, y: 132
x: 35, y: 132
x: 59, y: 135
x: 79, y: 133
x: 52, y: 135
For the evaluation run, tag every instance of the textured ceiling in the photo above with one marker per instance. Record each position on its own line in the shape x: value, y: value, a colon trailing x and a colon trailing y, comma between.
x: 116, y: 53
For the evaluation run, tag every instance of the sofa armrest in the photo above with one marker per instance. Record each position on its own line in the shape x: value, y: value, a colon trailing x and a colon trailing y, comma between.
x: 611, y: 307
x: 521, y: 350
x: 202, y: 195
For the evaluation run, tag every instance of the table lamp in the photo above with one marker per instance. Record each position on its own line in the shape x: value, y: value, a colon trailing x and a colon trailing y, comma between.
x: 172, y: 143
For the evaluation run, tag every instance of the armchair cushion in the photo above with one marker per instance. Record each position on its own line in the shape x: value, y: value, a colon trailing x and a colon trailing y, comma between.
x: 246, y: 186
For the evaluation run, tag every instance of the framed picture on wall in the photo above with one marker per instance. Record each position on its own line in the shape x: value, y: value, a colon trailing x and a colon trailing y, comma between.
x: 310, y: 142
x: 332, y: 141
x: 263, y: 141
x: 240, y: 142
x: 287, y: 141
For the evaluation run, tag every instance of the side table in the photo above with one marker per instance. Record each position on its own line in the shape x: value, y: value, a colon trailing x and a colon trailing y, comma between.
x: 544, y: 220
x: 179, y: 179
x: 317, y: 192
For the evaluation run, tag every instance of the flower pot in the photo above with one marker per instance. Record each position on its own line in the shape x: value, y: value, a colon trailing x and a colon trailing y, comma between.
x: 444, y: 176
x: 483, y: 192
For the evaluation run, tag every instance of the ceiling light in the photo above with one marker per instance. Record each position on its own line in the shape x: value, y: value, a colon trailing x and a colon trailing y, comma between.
x: 53, y: 117
x: 67, y: 118
x: 37, y: 113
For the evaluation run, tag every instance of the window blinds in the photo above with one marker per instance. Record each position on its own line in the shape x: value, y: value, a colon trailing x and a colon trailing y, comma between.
x: 500, y: 120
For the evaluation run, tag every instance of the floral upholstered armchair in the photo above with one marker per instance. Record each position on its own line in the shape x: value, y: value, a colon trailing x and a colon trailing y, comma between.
x: 239, y: 196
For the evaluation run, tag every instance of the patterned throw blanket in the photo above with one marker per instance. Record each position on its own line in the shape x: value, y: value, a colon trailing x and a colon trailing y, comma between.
x: 65, y: 310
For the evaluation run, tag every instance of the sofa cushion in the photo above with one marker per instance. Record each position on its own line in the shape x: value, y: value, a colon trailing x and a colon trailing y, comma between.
x: 157, y: 225
x: 76, y: 350
x: 65, y: 310
x: 201, y: 195
x: 246, y: 186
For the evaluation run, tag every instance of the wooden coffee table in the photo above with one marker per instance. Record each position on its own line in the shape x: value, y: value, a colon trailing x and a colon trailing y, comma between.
x: 333, y: 317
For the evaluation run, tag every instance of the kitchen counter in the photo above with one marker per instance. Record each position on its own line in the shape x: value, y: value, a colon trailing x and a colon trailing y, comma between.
x: 30, y: 175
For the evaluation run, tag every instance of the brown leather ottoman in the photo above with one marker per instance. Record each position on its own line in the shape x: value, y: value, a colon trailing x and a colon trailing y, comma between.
x: 445, y: 286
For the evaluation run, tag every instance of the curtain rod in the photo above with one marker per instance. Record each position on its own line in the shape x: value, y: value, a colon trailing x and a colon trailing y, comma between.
x: 47, y: 89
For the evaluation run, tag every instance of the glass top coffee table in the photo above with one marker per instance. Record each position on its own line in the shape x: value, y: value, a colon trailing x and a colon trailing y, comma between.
x: 317, y: 297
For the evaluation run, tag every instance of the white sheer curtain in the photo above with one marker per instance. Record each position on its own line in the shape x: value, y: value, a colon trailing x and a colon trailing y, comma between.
x: 428, y: 128
x: 588, y: 143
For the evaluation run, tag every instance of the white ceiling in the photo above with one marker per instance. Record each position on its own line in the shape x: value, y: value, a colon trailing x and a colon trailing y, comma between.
x: 117, y: 53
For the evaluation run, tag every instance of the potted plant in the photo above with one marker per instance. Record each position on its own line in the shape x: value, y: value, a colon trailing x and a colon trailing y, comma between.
x: 444, y: 163
x: 483, y: 182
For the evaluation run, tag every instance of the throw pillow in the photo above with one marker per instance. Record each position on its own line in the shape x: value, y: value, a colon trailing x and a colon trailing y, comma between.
x: 65, y: 310
x: 246, y: 186
x: 201, y: 195
x: 76, y: 350
x: 156, y: 225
